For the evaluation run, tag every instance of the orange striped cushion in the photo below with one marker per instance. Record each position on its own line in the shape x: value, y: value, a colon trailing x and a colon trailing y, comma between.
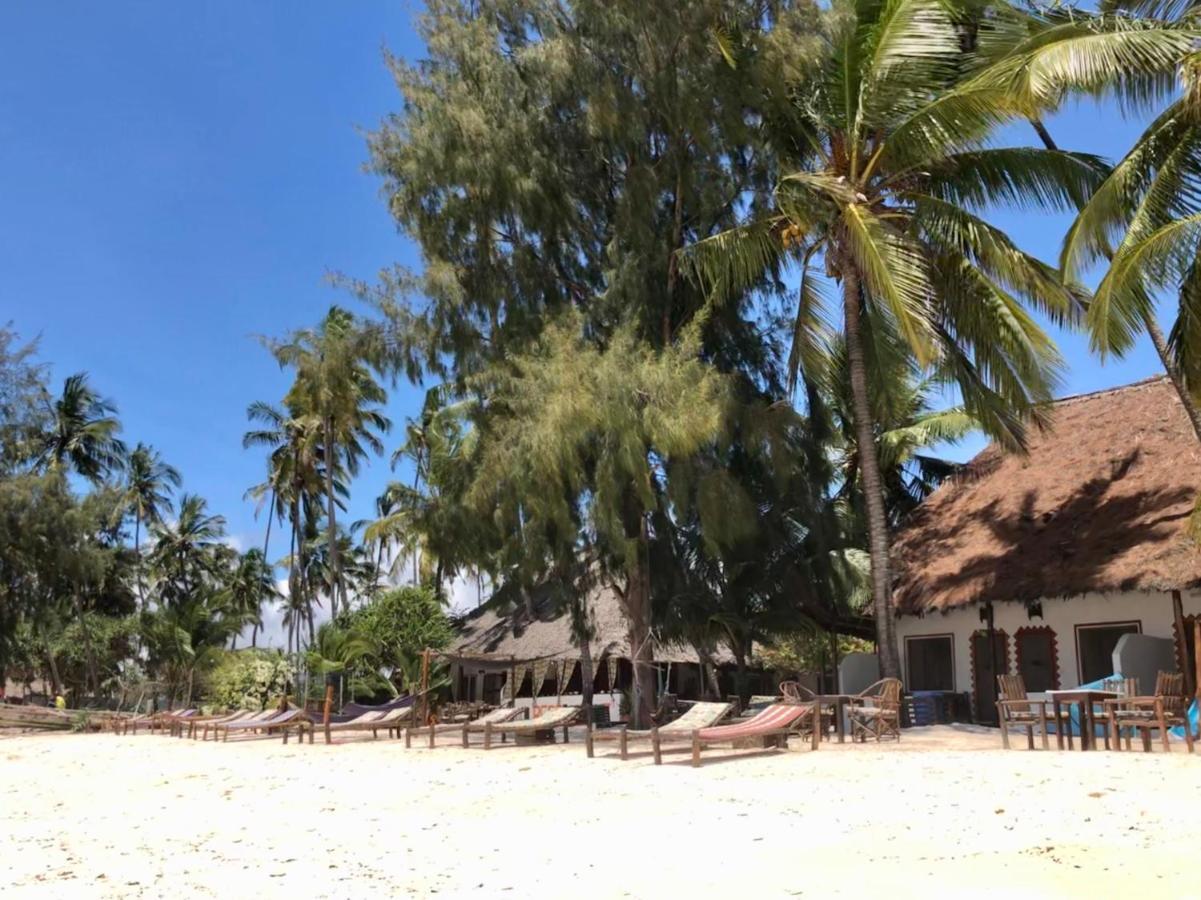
x: 775, y: 717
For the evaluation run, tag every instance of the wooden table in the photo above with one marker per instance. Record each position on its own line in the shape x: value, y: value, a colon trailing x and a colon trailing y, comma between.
x: 839, y: 702
x: 1085, y: 699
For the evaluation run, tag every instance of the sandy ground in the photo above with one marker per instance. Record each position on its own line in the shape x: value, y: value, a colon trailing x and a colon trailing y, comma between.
x: 944, y: 813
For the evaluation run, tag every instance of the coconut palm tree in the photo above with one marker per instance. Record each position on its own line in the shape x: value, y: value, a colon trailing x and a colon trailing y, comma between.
x: 907, y: 426
x: 1149, y: 206
x: 335, y: 388
x: 186, y: 553
x: 294, y: 484
x: 83, y: 433
x: 890, y: 167
x: 149, y: 484
x: 247, y: 586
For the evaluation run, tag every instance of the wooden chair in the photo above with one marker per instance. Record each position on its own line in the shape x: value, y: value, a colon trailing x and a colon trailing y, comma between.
x: 876, y: 710
x: 797, y: 694
x: 1166, y: 709
x: 1015, y: 709
x: 1123, y: 687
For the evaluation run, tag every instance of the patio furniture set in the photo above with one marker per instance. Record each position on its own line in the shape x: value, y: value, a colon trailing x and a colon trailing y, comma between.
x: 1117, y: 707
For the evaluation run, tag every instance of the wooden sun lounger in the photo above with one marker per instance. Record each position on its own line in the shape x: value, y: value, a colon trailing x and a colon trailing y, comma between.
x: 774, y: 722
x: 496, y: 717
x: 190, y: 725
x: 177, y: 727
x: 700, y: 715
x: 203, y: 727
x: 552, y: 717
x: 159, y: 720
x: 292, y: 718
x: 392, y: 720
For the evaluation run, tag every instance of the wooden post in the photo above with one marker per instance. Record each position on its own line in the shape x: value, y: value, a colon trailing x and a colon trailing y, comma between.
x: 834, y: 662
x: 425, y: 686
x: 329, y: 702
x: 1182, y: 643
x: 513, y: 681
x: 1197, y: 653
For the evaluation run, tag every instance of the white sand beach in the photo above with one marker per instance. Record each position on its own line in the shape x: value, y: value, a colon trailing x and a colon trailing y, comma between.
x: 945, y: 813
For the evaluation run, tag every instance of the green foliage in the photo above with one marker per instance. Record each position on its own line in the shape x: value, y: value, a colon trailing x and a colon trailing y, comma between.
x: 401, y: 623
x: 349, y: 654
x: 807, y: 652
x: 83, y: 433
x: 24, y: 401
x: 247, y: 679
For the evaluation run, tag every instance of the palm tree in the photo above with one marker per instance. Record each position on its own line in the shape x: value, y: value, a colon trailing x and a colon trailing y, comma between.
x: 384, y: 531
x: 889, y: 166
x: 907, y: 425
x: 149, y: 485
x: 294, y: 483
x: 83, y: 433
x: 185, y: 552
x: 247, y: 587
x: 335, y: 389
x: 1150, y: 205
x: 349, y: 655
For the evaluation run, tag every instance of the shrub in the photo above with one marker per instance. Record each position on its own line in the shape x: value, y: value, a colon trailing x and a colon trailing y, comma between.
x: 248, y: 679
x: 402, y: 622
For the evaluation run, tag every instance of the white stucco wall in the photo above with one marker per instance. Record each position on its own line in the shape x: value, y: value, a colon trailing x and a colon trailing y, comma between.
x: 1152, y: 610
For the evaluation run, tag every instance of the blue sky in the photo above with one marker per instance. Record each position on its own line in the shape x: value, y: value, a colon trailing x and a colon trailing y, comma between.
x: 176, y: 179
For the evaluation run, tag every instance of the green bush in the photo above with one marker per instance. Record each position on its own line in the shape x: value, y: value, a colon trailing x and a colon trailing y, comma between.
x: 247, y: 679
x: 402, y: 623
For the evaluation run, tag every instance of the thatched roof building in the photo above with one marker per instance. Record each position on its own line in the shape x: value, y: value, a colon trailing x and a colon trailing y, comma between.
x: 1100, y: 504
x: 1066, y: 565
x: 541, y: 633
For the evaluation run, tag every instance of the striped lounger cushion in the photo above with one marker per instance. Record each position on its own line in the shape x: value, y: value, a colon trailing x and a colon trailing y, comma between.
x: 774, y: 718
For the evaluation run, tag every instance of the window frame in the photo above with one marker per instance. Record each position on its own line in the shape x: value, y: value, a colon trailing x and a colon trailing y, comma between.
x: 1088, y: 626
x: 949, y: 636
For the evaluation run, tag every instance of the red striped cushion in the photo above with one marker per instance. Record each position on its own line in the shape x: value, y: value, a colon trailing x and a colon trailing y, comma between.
x: 773, y: 718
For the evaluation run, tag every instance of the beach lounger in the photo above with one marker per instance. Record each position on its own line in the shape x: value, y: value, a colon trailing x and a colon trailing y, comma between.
x: 541, y: 726
x: 774, y: 722
x: 700, y: 715
x: 392, y: 719
x: 160, y: 720
x: 292, y: 718
x: 495, y: 717
x: 192, y: 724
x: 202, y: 727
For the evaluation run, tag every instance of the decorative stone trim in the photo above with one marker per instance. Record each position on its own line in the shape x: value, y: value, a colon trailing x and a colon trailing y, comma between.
x: 1038, y: 629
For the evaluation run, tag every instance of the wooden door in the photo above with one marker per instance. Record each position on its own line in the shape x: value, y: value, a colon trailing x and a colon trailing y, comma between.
x: 984, y: 677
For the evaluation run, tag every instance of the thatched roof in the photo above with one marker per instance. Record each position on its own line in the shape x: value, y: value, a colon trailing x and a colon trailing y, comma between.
x: 499, y: 632
x: 1101, y: 503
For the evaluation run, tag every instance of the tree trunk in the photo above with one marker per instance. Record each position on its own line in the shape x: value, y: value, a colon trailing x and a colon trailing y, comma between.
x: 740, y: 679
x: 873, y: 491
x: 137, y: 549
x: 270, y: 516
x: 92, y: 681
x: 586, y: 676
x: 1165, y: 356
x: 55, y: 681
x: 709, y: 683
x: 1149, y: 322
x: 295, y: 591
x: 642, y: 651
x: 336, y: 591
